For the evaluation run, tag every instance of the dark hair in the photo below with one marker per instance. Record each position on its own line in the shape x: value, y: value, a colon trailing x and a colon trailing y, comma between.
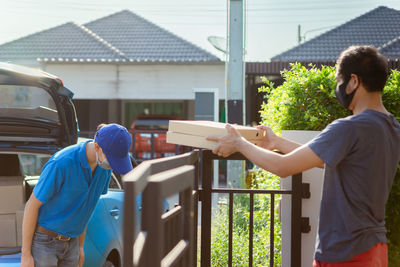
x: 101, y: 125
x: 367, y: 63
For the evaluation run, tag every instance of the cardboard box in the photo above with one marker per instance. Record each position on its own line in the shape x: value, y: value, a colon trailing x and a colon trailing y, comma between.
x: 196, y: 141
x: 8, y: 234
x: 211, y: 128
x: 19, y: 216
x: 12, y: 194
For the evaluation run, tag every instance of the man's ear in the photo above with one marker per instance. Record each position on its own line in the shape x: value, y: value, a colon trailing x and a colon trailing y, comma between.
x: 354, y: 83
x: 97, y: 148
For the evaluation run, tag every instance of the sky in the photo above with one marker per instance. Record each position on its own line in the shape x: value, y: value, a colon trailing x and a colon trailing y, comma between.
x: 271, y: 25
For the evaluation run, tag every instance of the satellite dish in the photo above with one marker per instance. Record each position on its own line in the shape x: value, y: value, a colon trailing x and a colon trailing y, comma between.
x: 218, y: 42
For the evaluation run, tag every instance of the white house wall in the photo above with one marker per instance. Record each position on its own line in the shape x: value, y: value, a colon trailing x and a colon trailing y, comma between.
x: 87, y: 81
x: 138, y: 82
x: 169, y: 81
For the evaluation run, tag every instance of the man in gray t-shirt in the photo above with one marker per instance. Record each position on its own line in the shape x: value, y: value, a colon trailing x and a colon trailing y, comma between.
x: 360, y: 154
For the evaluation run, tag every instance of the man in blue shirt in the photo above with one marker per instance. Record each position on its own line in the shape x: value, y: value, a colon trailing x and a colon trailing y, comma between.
x: 360, y: 153
x: 67, y: 192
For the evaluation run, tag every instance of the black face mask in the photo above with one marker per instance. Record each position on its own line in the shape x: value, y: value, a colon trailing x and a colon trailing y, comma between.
x: 341, y: 95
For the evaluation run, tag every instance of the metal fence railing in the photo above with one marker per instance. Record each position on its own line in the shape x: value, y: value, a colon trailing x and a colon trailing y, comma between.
x: 171, y: 239
x: 206, y: 197
x: 164, y: 239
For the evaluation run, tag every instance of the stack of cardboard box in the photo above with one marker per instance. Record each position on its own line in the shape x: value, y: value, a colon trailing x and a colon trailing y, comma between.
x: 194, y: 133
x: 12, y: 202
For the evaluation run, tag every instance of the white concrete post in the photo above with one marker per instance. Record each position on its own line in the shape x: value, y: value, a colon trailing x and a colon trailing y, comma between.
x: 310, y: 206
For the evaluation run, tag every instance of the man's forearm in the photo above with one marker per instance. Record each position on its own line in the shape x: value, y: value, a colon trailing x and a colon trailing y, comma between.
x: 300, y: 159
x: 263, y: 158
x: 284, y: 145
x: 81, y: 238
x: 29, y: 224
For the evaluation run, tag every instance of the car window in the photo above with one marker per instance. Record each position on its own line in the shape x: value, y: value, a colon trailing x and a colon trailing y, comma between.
x: 32, y: 164
x: 27, y: 102
x: 114, y: 183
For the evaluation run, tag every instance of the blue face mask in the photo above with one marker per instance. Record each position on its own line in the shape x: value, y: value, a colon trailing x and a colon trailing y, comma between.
x: 104, y: 164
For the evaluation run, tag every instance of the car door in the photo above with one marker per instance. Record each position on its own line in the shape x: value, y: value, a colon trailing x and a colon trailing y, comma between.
x: 105, y: 228
x: 102, y: 234
x: 113, y: 203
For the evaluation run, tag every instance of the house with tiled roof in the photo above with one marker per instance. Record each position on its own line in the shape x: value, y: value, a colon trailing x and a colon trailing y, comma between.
x: 120, y: 66
x: 379, y: 27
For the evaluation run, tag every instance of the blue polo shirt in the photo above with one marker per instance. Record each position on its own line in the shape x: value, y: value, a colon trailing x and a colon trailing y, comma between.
x: 68, y: 190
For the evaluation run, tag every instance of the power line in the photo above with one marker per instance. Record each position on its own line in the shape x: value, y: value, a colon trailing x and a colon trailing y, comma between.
x: 179, y: 8
x: 194, y: 13
x: 171, y: 5
x: 174, y: 12
x: 257, y: 23
x: 221, y: 22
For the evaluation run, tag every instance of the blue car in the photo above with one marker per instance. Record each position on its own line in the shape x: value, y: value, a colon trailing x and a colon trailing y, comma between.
x: 37, y: 119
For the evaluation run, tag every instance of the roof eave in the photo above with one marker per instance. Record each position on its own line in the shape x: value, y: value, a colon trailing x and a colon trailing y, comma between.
x: 127, y: 62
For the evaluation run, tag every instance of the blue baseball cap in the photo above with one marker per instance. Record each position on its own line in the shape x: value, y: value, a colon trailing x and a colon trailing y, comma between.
x: 115, y: 141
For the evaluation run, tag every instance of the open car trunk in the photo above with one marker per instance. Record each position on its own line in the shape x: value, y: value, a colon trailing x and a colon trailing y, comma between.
x: 36, y: 110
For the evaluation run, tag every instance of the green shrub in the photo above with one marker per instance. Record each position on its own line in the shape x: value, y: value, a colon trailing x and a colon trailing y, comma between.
x: 391, y: 94
x: 391, y: 100
x: 306, y: 101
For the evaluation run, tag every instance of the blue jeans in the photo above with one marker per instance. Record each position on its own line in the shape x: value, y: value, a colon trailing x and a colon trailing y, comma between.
x: 47, y: 251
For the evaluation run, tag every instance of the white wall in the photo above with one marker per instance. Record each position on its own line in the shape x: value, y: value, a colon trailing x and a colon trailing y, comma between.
x: 169, y: 81
x: 310, y: 207
x: 87, y: 81
x: 144, y: 82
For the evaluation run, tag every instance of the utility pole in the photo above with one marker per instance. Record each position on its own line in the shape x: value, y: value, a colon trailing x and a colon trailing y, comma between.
x: 299, y: 33
x: 236, y: 67
x: 235, y: 104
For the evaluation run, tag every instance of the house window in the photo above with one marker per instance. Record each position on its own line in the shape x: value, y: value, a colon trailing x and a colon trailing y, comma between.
x: 132, y: 109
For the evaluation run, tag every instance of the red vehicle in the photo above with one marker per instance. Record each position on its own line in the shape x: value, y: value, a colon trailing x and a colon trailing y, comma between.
x: 149, y: 133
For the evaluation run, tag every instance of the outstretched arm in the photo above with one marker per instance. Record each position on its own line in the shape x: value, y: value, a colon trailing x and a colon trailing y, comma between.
x: 300, y: 159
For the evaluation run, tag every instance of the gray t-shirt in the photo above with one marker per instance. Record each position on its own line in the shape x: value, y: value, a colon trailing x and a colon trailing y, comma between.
x: 361, y: 155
